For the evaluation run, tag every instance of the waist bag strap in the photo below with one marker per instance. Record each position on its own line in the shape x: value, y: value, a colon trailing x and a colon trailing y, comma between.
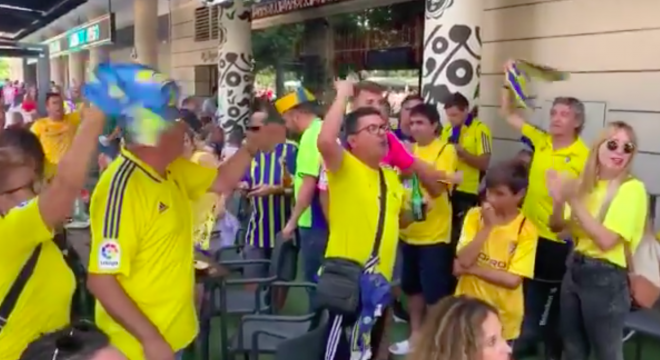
x: 374, y: 258
x: 17, y: 287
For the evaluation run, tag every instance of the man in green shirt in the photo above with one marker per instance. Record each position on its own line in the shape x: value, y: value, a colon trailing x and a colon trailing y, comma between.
x: 298, y: 111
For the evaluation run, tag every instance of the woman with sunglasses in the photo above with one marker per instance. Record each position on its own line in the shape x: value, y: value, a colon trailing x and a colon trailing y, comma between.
x: 28, y: 216
x: 605, y: 210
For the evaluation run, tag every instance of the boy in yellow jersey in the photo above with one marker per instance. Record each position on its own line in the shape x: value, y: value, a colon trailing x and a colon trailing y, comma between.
x: 56, y: 131
x: 560, y: 149
x: 473, y: 143
x: 141, y: 260
x: 426, y: 246
x: 497, y: 247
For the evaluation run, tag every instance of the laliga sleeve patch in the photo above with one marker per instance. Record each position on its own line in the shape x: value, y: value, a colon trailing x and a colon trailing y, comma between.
x: 109, y: 255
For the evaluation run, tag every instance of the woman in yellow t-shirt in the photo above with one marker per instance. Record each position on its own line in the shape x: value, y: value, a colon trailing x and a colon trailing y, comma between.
x: 28, y: 217
x: 605, y: 211
x: 207, y: 209
x: 497, y: 247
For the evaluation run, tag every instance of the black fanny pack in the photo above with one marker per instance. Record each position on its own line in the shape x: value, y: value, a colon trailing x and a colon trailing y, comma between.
x: 75, y: 342
x: 338, y: 288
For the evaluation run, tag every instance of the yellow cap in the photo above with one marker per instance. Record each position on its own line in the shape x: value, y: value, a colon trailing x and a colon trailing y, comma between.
x: 293, y: 99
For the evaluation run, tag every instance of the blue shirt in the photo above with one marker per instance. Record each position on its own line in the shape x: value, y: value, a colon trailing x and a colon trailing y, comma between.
x: 269, y: 213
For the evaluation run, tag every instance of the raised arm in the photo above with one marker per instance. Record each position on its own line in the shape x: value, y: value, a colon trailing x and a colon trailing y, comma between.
x: 56, y: 201
x: 331, y: 151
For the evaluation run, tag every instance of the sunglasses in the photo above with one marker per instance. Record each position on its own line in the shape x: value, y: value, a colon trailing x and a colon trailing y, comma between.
x: 614, y: 145
x: 374, y: 129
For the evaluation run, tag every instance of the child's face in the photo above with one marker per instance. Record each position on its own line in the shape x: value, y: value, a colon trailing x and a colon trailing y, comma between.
x: 502, y: 198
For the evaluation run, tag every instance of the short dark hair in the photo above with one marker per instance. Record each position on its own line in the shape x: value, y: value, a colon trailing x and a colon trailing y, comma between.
x: 50, y: 95
x: 457, y: 100
x: 352, y: 120
x: 26, y: 142
x: 512, y: 174
x: 428, y: 111
x: 369, y: 86
x: 411, y: 97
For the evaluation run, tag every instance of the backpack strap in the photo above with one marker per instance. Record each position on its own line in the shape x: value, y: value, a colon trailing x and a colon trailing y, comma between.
x: 14, y: 293
x: 522, y: 225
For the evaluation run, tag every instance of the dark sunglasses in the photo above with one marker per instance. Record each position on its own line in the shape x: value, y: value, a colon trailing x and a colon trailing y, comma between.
x: 614, y: 145
x: 253, y: 128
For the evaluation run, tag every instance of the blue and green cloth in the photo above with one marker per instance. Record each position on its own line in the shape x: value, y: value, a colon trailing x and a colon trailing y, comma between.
x: 143, y: 97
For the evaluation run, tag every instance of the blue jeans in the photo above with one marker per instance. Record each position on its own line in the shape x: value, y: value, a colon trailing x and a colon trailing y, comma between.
x: 312, y: 245
x: 179, y: 355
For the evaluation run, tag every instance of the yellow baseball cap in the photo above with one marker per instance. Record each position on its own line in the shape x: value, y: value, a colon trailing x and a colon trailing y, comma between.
x: 293, y: 99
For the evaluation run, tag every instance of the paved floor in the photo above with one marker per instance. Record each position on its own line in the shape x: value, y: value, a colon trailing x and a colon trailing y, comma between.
x: 297, y: 304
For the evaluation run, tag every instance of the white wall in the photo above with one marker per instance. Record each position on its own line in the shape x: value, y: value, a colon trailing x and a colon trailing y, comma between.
x: 612, y: 49
x: 164, y: 56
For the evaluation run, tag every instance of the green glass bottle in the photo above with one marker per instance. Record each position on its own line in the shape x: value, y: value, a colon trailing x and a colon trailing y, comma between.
x: 418, y: 205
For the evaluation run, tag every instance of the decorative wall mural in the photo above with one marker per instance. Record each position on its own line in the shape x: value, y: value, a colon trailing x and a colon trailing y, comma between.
x: 435, y: 8
x: 235, y: 65
x: 452, y: 49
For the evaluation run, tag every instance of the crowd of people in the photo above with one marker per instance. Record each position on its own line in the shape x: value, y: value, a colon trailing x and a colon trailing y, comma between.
x: 495, y: 260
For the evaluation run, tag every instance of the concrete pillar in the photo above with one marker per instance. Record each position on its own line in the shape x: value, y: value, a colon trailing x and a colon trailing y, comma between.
x: 76, y: 68
x: 99, y: 54
x: 146, y: 31
x: 452, y: 49
x: 235, y: 66
x: 57, y: 70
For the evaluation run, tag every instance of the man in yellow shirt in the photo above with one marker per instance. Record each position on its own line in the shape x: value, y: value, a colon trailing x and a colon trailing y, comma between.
x: 473, y: 143
x: 56, y: 131
x: 560, y: 149
x: 497, y: 248
x: 141, y: 259
x: 356, y: 176
x: 426, y: 245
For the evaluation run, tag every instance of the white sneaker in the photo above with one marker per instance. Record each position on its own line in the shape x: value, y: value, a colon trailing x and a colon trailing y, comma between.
x: 401, y: 348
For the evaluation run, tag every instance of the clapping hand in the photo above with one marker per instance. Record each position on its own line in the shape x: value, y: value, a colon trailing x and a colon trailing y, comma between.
x: 263, y: 190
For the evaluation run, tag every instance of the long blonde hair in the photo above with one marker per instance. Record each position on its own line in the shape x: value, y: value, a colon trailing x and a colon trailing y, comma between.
x: 453, y: 330
x: 591, y: 173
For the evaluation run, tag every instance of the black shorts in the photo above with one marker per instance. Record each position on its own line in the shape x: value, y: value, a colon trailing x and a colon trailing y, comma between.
x: 427, y: 270
x: 550, y: 262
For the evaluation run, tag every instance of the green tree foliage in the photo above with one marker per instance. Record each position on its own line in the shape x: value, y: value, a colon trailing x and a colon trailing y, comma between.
x: 275, y: 45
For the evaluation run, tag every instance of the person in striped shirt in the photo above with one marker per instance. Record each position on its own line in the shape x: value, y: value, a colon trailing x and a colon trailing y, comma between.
x: 269, y: 185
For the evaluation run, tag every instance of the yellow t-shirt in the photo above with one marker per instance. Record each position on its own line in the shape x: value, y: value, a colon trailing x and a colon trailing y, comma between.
x: 352, y: 227
x: 45, y: 303
x: 510, y: 248
x: 204, y: 209
x: 568, y: 161
x: 56, y: 136
x: 437, y: 226
x: 625, y: 216
x: 142, y: 232
x: 476, y: 139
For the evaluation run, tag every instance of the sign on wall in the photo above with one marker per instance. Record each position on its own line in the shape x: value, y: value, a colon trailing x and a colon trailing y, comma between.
x: 100, y: 31
x: 266, y: 8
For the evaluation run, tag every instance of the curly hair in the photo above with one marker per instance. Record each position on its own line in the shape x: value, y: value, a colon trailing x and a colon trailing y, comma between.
x: 452, y: 330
